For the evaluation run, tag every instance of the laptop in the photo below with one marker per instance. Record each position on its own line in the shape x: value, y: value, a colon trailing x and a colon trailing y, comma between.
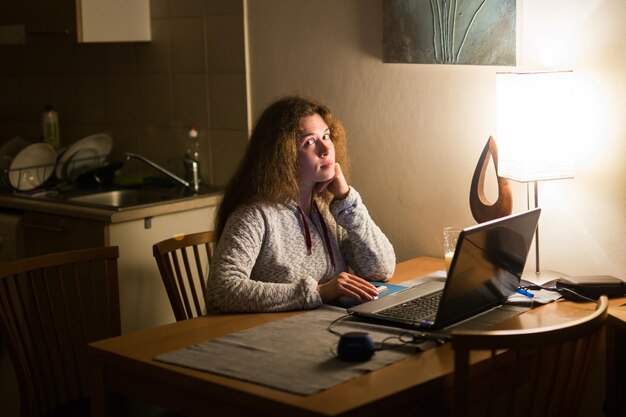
x: 486, y: 268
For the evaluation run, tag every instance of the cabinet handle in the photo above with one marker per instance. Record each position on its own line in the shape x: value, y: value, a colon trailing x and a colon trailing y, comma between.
x: 40, y: 227
x: 49, y: 32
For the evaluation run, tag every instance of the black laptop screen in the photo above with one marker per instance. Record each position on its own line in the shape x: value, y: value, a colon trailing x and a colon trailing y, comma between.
x: 488, y: 262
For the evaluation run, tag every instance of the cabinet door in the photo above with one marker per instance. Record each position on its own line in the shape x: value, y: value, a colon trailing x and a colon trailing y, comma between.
x: 36, y: 21
x: 143, y: 300
x: 47, y: 233
x: 68, y: 21
x: 113, y: 20
x: 11, y: 246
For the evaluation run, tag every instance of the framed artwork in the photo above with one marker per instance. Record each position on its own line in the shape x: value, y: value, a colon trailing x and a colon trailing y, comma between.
x: 465, y: 32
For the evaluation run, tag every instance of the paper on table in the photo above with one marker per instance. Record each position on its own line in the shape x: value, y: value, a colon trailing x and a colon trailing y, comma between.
x: 539, y: 296
x: 389, y: 288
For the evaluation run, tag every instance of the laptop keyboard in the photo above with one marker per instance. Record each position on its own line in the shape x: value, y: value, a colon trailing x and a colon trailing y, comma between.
x: 414, y: 310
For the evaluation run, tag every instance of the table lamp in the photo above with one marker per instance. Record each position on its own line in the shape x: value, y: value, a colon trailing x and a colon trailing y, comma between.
x: 534, y: 113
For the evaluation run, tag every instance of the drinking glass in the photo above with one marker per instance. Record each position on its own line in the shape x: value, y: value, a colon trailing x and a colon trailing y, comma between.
x: 450, y: 237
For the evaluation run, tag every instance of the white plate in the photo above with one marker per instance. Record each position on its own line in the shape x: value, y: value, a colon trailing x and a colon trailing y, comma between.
x: 83, y: 155
x: 11, y: 148
x: 32, y: 166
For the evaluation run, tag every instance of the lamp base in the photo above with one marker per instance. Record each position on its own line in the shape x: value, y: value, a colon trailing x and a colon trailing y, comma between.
x: 542, y: 277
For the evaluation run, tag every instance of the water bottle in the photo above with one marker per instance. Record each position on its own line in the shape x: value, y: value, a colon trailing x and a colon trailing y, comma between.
x: 50, y: 126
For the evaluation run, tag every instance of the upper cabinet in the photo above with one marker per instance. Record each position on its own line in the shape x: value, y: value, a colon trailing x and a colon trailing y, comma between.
x: 113, y: 20
x: 85, y: 21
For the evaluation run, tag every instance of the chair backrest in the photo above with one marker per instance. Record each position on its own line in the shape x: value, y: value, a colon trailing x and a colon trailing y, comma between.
x: 184, y: 263
x: 531, y: 372
x: 51, y: 306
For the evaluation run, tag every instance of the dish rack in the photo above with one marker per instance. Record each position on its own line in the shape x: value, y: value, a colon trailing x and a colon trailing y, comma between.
x: 46, y: 174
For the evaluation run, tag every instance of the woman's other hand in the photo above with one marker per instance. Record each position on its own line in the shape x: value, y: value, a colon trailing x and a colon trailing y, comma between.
x: 337, y: 185
x: 349, y: 285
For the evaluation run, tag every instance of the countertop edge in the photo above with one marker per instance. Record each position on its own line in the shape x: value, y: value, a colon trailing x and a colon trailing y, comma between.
x: 110, y: 216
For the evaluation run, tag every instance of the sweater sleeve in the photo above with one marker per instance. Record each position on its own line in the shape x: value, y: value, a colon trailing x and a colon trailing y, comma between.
x: 364, y: 246
x: 230, y: 287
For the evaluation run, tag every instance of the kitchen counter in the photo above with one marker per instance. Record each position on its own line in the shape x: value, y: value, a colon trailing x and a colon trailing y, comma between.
x: 57, y: 221
x: 27, y: 203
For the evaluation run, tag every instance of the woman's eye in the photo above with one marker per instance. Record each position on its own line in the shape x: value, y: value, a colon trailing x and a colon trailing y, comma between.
x: 309, y: 142
x: 326, y: 136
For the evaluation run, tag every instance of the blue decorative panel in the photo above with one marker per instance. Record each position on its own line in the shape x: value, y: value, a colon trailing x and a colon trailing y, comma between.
x: 470, y: 32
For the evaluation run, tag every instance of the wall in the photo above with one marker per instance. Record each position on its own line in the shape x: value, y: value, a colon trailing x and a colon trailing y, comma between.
x: 146, y: 95
x: 416, y: 131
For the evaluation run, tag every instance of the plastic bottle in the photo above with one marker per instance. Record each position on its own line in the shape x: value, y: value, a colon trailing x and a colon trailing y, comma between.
x: 192, y: 150
x: 192, y: 158
x: 50, y: 126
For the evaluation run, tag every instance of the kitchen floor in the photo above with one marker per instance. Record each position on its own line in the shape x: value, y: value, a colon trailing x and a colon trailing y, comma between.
x: 138, y: 409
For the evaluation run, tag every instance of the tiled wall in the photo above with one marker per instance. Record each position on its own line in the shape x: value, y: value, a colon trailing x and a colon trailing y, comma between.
x: 145, y: 94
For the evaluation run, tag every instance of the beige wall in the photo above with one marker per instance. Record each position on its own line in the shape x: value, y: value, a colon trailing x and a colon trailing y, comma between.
x: 416, y: 131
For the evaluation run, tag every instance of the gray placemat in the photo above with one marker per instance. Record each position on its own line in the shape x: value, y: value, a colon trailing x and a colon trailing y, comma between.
x: 296, y: 354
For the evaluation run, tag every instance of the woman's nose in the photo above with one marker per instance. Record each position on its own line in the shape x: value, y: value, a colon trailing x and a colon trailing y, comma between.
x: 324, y: 147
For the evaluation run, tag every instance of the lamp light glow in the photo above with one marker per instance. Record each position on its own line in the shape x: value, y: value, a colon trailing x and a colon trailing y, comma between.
x: 536, y: 140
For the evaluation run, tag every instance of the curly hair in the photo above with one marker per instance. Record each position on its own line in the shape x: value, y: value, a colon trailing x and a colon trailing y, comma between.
x: 268, y: 171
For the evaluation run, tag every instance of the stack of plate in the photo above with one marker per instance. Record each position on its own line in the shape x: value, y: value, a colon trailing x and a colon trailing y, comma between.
x: 27, y: 165
x: 10, y: 149
x: 84, y: 155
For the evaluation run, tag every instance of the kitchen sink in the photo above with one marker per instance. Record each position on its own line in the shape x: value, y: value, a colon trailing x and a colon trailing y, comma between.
x: 122, y: 198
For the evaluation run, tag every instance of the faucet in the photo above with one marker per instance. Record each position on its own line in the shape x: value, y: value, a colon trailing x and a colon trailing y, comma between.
x: 173, y: 176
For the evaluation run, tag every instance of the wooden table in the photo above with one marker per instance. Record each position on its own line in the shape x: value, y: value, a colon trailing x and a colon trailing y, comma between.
x: 414, y: 386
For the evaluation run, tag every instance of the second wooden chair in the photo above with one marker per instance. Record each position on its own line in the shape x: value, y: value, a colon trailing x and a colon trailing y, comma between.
x: 542, y: 373
x: 184, y: 263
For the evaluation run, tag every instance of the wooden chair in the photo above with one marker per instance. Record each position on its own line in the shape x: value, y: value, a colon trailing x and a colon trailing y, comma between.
x: 184, y: 262
x: 531, y: 372
x: 51, y: 306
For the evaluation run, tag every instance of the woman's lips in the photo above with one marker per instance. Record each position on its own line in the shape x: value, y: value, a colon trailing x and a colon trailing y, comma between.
x: 327, y: 165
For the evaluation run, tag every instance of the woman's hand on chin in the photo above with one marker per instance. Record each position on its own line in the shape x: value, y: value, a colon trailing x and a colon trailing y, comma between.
x: 337, y: 185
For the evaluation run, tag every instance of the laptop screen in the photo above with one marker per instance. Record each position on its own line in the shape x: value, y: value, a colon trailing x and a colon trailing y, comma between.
x: 488, y: 262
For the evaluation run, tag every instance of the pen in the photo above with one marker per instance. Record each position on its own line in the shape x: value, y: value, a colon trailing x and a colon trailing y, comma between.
x: 526, y: 293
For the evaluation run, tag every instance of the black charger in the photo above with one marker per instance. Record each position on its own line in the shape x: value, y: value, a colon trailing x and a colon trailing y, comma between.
x: 590, y: 286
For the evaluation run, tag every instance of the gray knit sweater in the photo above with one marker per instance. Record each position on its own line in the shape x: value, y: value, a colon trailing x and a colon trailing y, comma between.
x: 262, y: 263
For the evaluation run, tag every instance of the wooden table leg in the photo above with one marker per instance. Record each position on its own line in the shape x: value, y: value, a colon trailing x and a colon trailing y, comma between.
x: 103, y: 402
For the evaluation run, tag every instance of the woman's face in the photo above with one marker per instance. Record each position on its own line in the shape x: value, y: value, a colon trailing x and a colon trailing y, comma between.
x: 316, y: 152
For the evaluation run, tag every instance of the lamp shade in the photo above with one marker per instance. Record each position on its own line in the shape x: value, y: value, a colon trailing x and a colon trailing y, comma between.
x: 535, y: 125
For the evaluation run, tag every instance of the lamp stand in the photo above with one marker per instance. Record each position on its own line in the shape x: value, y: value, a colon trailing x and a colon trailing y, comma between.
x: 536, y: 195
x: 539, y: 276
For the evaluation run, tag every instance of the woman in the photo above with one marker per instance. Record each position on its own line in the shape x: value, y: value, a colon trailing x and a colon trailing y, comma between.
x: 289, y: 226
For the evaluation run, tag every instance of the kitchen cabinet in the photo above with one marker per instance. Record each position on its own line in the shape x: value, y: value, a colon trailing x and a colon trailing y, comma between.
x: 113, y: 20
x: 85, y: 21
x: 45, y: 233
x: 143, y: 300
x: 11, y: 247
